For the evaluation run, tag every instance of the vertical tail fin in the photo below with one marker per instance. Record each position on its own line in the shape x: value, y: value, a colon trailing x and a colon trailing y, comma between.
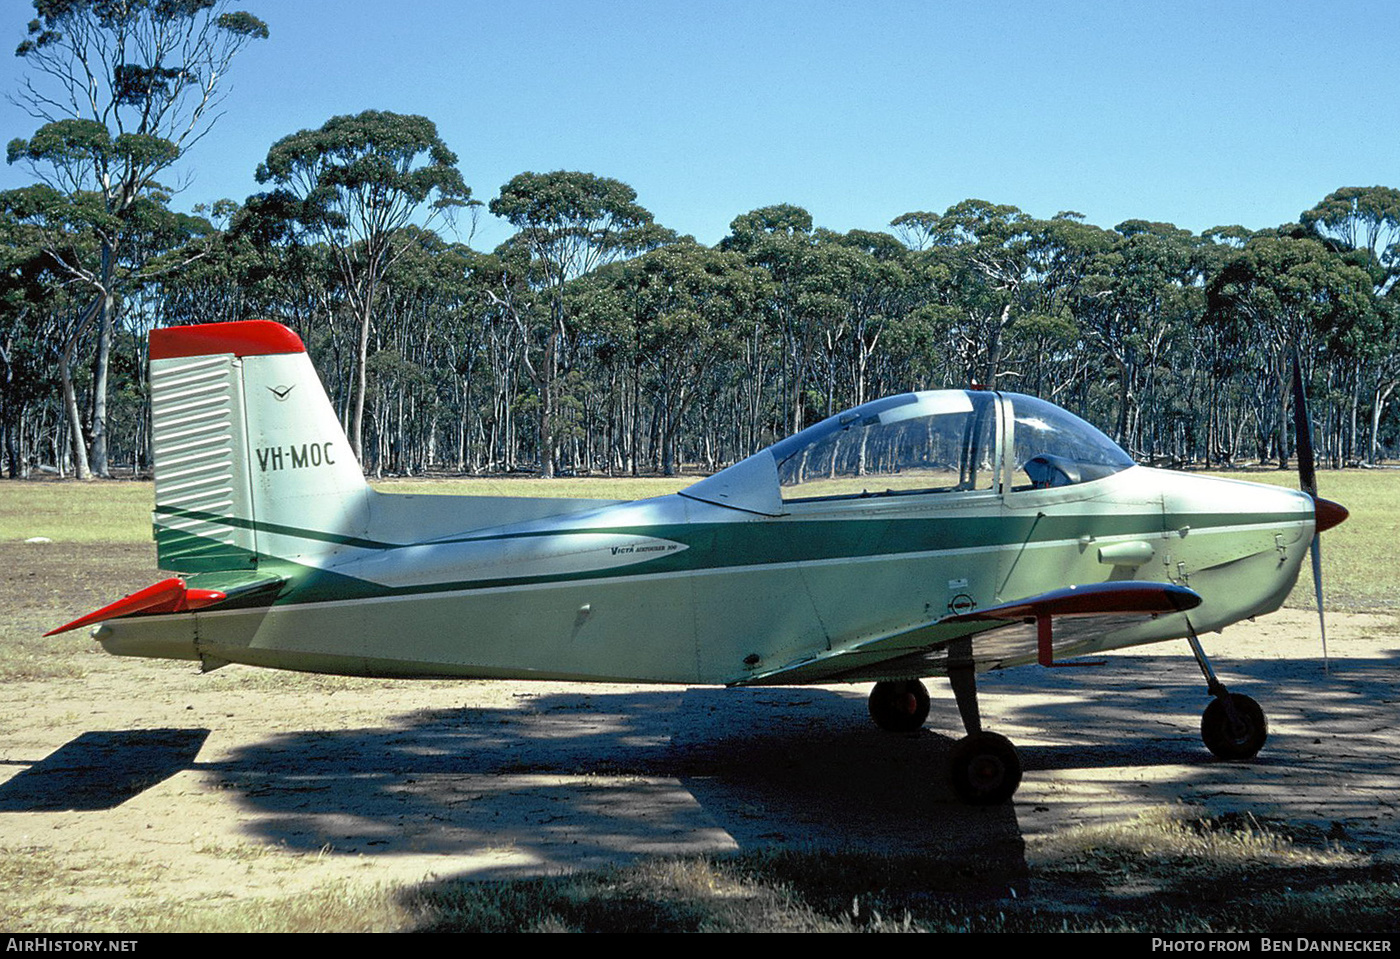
x: 250, y: 459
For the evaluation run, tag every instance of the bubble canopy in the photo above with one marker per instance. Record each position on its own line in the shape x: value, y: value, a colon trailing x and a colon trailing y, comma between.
x: 941, y: 441
x: 1053, y: 447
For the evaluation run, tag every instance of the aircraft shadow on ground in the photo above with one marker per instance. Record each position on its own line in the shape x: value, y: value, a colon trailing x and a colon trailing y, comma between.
x: 101, y: 770
x: 1132, y: 731
x: 594, y: 777
x: 577, y: 780
x: 600, y: 776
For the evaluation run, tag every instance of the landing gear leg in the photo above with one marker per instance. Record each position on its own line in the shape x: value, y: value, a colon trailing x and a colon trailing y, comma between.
x: 1233, y: 725
x: 985, y: 767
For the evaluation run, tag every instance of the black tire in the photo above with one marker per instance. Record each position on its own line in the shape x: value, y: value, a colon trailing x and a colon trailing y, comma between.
x: 899, y: 707
x: 1228, y: 740
x: 986, y: 769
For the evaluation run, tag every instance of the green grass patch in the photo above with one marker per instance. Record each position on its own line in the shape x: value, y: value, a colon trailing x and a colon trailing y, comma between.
x: 1360, y: 570
x: 582, y: 487
x: 68, y: 511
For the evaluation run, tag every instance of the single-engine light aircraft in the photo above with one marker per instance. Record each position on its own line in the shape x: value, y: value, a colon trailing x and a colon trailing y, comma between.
x: 932, y: 533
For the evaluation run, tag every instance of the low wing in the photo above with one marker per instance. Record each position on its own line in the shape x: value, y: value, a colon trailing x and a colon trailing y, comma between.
x: 1046, y: 627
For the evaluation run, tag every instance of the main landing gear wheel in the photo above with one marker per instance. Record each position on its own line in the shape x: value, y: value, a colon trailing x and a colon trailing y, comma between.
x: 986, y: 769
x: 1237, y: 736
x: 899, y: 707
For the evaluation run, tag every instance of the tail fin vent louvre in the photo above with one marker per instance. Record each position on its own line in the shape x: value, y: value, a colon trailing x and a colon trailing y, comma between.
x: 196, y: 422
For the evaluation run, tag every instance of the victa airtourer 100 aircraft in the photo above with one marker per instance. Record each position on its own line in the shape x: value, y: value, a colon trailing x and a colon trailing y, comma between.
x: 933, y: 533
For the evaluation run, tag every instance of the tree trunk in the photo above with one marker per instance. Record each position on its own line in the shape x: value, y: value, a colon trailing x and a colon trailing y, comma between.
x: 106, y: 330
x: 75, y: 419
x: 1382, y: 394
x: 357, y: 412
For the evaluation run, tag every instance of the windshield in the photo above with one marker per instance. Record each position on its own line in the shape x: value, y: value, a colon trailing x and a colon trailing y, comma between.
x: 1053, y: 447
x: 936, y: 441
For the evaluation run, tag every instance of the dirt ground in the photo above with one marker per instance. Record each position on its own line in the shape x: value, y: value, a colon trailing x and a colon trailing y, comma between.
x: 148, y: 779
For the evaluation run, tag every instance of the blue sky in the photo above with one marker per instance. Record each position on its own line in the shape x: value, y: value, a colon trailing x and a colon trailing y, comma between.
x: 1196, y: 113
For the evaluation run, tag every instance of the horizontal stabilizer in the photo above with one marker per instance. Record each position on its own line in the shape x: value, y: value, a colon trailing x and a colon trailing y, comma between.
x: 167, y: 596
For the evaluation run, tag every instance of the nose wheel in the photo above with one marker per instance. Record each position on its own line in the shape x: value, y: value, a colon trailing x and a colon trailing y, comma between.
x: 1233, y: 725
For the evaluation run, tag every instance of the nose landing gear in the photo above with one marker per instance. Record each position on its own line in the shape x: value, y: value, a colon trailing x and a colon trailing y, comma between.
x: 1233, y: 726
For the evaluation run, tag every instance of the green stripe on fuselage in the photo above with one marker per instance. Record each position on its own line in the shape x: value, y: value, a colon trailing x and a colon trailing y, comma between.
x: 717, y: 546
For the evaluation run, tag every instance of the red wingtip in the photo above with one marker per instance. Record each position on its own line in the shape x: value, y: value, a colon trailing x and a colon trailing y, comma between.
x: 167, y: 596
x: 241, y: 338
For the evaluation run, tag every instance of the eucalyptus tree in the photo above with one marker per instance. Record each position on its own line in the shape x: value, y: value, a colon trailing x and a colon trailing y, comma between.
x: 157, y: 244
x: 1384, y: 365
x: 568, y: 224
x: 122, y: 91
x: 1282, y: 292
x: 986, y: 248
x: 1362, y: 218
x: 53, y: 237
x: 27, y: 373
x: 1061, y: 253
x: 217, y: 282
x: 285, y: 273
x: 510, y: 302
x: 60, y: 230
x: 427, y: 347
x: 677, y: 313
x: 806, y: 302
x: 918, y: 229
x: 1365, y: 221
x: 355, y: 184
x: 877, y: 289
x: 1129, y: 307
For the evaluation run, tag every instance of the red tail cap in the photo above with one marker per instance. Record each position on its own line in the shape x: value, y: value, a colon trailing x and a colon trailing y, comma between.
x: 241, y: 338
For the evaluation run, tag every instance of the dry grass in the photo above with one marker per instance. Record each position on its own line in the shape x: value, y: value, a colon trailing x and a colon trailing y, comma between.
x: 1167, y: 871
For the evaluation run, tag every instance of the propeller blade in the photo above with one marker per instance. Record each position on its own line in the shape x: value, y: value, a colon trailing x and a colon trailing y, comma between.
x: 1317, y: 587
x: 1302, y: 430
x: 1307, y: 481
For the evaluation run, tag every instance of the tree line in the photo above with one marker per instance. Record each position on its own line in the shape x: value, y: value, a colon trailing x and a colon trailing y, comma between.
x: 595, y: 339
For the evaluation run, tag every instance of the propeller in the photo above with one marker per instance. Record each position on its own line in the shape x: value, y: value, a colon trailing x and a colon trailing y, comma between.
x: 1326, y: 513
